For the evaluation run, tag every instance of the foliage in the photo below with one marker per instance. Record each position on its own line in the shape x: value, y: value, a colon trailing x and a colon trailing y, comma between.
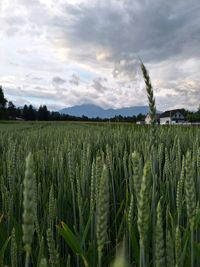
x: 3, y: 102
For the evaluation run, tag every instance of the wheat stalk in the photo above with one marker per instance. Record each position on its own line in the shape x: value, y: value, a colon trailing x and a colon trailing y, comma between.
x: 102, y: 212
x: 143, y: 211
x: 159, y: 246
x: 54, y: 260
x: 28, y: 204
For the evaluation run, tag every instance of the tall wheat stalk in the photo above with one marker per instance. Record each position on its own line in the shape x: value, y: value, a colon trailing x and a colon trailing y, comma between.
x: 150, y: 94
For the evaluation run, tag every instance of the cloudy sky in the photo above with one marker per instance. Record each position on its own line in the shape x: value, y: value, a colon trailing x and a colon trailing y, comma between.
x: 68, y: 52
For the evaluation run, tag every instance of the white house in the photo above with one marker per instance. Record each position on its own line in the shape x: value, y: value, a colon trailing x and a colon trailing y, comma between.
x: 148, y: 119
x: 172, y: 117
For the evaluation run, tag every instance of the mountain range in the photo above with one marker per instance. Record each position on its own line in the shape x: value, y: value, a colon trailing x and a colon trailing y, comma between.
x: 93, y: 111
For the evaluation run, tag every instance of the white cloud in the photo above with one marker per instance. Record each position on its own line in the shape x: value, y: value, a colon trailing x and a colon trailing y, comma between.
x: 90, y: 50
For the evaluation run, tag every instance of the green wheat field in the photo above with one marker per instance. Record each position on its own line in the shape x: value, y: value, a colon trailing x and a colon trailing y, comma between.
x: 88, y: 194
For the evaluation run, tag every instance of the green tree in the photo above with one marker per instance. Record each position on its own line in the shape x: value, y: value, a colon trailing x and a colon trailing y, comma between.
x: 11, y: 110
x: 3, y: 102
x: 31, y: 113
x: 43, y: 113
x: 25, y: 112
x: 198, y: 111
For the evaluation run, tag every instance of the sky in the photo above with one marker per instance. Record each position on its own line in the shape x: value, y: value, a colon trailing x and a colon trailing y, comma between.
x: 71, y: 52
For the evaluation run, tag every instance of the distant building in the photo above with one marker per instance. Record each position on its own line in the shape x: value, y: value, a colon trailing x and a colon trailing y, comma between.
x: 172, y: 117
x: 19, y: 119
x: 148, y: 119
x: 140, y: 122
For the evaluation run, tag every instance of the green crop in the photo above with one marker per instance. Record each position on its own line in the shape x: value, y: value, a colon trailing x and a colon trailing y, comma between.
x: 86, y: 188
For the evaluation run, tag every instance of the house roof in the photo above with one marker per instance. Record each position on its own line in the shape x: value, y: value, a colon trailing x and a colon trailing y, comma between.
x: 170, y: 113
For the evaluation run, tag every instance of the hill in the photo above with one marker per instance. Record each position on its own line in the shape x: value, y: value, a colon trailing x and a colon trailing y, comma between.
x: 93, y: 111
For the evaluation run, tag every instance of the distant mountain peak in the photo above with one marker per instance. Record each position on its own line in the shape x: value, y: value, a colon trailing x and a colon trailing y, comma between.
x: 93, y: 111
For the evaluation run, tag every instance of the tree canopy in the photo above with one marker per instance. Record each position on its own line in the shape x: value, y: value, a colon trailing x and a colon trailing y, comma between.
x: 3, y: 102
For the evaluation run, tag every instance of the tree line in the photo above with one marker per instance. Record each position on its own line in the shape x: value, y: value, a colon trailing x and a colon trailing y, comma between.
x: 8, y: 111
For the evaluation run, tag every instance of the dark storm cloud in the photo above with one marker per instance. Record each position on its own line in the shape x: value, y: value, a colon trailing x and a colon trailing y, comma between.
x: 154, y: 30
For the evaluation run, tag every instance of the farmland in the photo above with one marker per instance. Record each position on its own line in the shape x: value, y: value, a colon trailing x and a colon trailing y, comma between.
x: 74, y: 194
